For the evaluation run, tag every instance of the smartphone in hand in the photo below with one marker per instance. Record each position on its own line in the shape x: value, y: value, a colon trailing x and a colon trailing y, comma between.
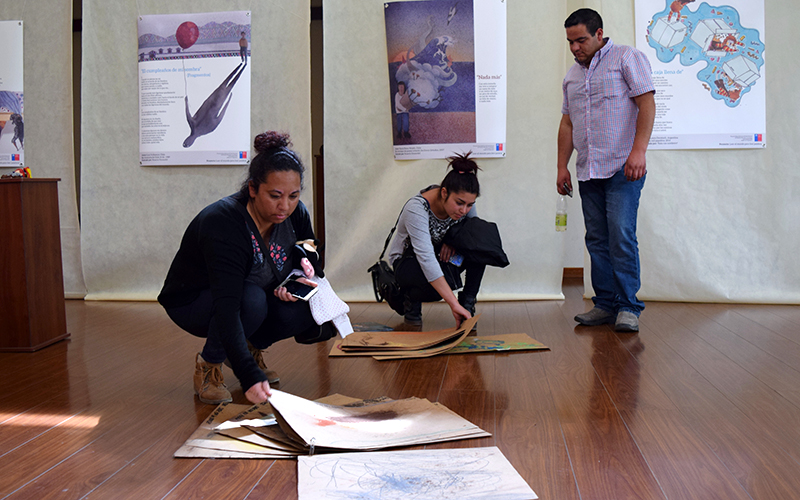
x: 298, y: 289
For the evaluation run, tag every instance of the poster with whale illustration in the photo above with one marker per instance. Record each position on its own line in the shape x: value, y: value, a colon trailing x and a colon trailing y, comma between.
x: 194, y: 89
x: 447, y: 77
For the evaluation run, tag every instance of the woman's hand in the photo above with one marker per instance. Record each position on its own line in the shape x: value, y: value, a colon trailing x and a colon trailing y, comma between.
x: 307, y: 268
x: 258, y: 393
x: 282, y: 293
x: 446, y: 253
x: 460, y: 314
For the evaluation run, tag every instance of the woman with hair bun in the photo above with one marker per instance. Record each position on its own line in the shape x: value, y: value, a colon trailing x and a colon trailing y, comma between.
x: 420, y: 258
x: 223, y: 283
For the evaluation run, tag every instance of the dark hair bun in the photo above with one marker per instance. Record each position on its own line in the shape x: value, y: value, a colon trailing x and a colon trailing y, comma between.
x: 463, y: 164
x: 271, y: 140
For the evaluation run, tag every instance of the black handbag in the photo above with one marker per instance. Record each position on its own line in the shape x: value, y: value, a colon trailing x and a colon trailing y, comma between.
x: 384, y: 284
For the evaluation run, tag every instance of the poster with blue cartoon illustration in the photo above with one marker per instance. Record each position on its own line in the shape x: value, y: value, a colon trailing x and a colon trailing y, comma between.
x: 447, y: 77
x: 194, y: 88
x: 12, y: 111
x: 708, y: 70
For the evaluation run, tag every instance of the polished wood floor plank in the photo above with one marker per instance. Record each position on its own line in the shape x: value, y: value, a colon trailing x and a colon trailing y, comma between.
x: 747, y: 382
x: 230, y: 478
x: 686, y: 468
x: 108, y: 454
x: 154, y: 473
x: 761, y: 337
x: 475, y: 406
x: 697, y: 405
x: 756, y: 459
x: 604, y: 455
x: 767, y: 317
x: 279, y: 483
x: 533, y: 442
x: 642, y: 403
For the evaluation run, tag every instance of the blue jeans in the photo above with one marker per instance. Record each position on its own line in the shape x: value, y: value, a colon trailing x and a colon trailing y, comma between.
x: 402, y: 122
x: 610, y: 207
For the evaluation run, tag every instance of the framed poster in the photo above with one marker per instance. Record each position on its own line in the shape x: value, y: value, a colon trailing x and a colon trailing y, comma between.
x: 12, y: 110
x: 708, y: 70
x: 447, y: 77
x: 194, y: 89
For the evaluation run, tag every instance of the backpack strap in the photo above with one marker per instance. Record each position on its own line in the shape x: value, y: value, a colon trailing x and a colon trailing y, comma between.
x: 391, y: 233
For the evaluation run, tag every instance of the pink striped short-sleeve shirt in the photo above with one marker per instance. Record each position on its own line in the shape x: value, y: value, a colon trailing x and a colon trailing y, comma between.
x: 600, y: 105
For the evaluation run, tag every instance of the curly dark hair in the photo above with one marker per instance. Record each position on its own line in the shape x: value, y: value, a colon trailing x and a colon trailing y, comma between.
x: 464, y: 175
x: 273, y: 155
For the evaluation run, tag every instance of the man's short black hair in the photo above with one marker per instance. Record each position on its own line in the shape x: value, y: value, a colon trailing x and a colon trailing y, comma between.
x: 587, y: 17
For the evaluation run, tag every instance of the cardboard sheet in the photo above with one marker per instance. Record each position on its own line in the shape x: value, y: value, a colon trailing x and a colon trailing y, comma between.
x: 403, y: 341
x: 204, y: 442
x: 505, y: 342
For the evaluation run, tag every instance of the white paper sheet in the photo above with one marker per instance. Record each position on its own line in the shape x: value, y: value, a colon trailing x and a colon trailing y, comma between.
x: 460, y: 474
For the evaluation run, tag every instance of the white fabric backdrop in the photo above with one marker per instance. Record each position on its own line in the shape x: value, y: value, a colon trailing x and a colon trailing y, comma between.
x: 133, y: 217
x: 366, y: 187
x: 47, y: 40
x: 713, y: 225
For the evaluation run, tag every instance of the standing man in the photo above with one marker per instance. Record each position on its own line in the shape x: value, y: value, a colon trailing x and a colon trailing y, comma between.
x: 243, y: 48
x: 607, y: 116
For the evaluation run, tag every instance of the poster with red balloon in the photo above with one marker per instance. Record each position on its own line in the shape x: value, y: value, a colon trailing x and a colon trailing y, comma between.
x: 194, y: 89
x: 12, y: 133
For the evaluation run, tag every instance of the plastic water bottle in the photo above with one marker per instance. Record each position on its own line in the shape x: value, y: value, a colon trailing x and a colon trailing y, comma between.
x: 561, y: 213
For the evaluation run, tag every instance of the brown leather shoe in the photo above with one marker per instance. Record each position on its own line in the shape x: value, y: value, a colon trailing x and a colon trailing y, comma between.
x: 208, y: 382
x: 272, y: 375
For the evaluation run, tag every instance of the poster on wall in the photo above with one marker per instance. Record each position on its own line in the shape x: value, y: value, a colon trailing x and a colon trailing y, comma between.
x: 708, y: 70
x: 194, y: 89
x: 12, y: 127
x: 447, y: 77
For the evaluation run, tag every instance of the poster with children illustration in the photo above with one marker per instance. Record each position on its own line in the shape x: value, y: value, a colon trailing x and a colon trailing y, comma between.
x: 708, y: 65
x: 447, y: 78
x: 12, y: 111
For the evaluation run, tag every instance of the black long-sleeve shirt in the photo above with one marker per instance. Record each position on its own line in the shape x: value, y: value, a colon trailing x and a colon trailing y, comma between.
x: 218, y: 252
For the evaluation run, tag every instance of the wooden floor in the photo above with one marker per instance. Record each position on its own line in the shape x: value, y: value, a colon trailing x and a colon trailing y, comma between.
x: 703, y: 403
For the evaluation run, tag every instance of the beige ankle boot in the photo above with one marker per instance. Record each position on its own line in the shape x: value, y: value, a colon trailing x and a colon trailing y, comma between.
x: 272, y: 375
x: 208, y: 382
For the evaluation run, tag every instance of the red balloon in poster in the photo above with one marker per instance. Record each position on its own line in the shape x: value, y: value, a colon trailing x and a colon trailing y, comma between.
x: 187, y: 34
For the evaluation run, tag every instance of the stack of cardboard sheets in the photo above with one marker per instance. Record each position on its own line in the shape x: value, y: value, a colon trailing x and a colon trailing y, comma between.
x: 385, y: 344
x: 289, y: 426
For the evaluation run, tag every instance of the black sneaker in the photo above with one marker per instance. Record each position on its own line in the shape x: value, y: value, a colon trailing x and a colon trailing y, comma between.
x: 321, y: 333
x: 413, y: 314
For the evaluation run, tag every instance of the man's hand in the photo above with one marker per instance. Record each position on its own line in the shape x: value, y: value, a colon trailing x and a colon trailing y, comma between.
x: 635, y: 166
x: 563, y: 178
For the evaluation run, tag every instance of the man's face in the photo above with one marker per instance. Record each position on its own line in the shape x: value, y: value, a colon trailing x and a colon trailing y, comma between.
x: 401, y: 88
x: 582, y: 44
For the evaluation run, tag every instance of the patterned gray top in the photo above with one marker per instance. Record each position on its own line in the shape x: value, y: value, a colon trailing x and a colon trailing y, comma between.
x: 420, y: 228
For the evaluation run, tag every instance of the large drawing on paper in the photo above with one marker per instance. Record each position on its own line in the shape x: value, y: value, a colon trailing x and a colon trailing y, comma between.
x: 459, y: 474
